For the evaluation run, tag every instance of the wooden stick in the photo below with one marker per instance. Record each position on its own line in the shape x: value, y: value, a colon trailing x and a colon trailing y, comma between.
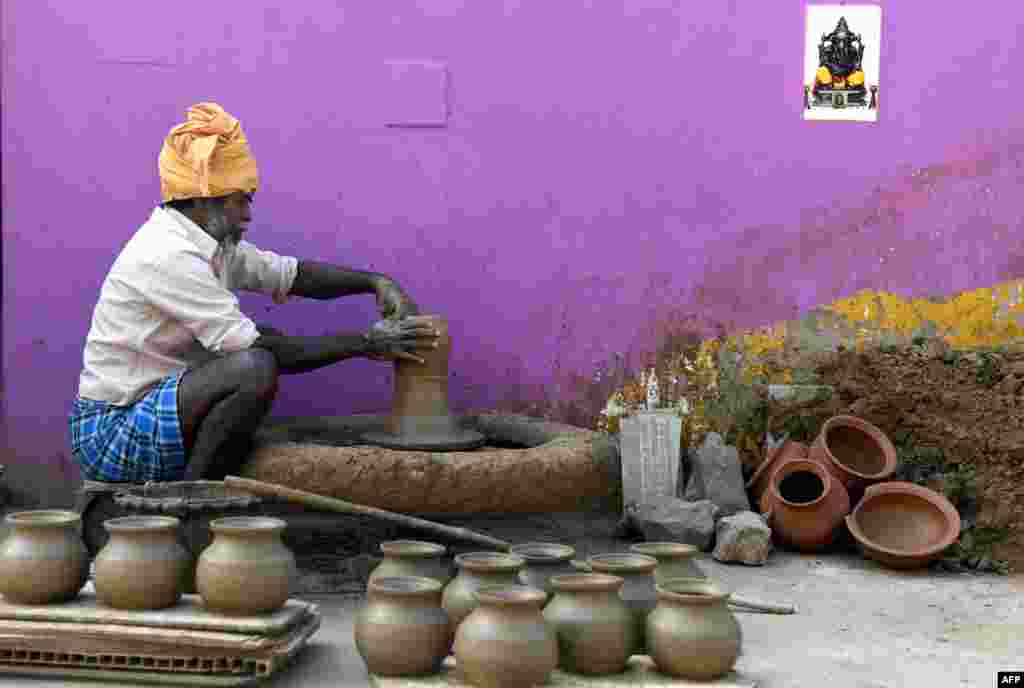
x: 734, y: 599
x: 323, y: 503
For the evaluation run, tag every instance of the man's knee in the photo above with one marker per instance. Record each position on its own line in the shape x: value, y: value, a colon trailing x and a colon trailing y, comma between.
x: 258, y: 372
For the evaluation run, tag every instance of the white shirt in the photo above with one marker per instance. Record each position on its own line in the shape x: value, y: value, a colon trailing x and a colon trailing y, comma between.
x: 167, y: 303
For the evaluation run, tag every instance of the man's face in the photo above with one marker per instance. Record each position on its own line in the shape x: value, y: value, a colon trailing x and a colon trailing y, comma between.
x: 237, y: 214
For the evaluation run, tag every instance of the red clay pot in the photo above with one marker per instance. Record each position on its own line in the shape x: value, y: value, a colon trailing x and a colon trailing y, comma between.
x: 805, y: 505
x: 854, y: 451
x: 903, y: 525
x: 787, y: 451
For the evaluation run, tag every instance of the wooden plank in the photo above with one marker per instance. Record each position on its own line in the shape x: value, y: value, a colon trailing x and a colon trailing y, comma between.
x: 118, y: 675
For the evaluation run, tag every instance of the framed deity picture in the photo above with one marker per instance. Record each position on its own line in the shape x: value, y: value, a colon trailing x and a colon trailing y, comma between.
x: 841, y: 62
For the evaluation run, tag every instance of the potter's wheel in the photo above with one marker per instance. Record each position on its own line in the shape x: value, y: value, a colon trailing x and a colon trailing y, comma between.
x: 457, y: 440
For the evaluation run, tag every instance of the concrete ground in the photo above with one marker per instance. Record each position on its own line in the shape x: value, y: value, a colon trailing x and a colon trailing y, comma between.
x: 858, y: 626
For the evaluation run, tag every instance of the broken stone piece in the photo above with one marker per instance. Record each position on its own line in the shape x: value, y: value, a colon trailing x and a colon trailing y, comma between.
x: 742, y: 538
x: 716, y: 475
x: 676, y: 520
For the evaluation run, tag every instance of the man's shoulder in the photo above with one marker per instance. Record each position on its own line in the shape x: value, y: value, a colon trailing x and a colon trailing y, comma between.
x: 153, y: 244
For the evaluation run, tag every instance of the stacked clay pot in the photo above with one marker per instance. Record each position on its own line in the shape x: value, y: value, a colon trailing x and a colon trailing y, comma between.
x: 43, y: 560
x: 402, y: 629
x: 595, y: 629
x: 505, y: 641
x: 247, y: 569
x: 404, y: 558
x: 856, y: 452
x: 544, y: 561
x: 477, y: 570
x: 675, y: 559
x: 143, y: 565
x: 805, y: 505
x: 638, y: 588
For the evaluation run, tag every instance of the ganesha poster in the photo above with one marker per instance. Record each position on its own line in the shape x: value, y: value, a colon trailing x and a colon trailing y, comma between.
x: 841, y: 62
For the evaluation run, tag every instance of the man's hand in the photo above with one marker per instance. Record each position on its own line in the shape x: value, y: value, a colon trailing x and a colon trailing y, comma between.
x: 389, y: 340
x: 392, y: 301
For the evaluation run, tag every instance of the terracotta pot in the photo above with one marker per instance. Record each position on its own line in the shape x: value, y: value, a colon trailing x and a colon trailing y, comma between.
x: 43, y: 560
x: 805, y: 505
x: 544, y: 560
x: 903, y: 525
x: 638, y: 591
x: 143, y: 565
x: 405, y: 558
x: 477, y: 570
x: 595, y: 629
x: 247, y: 569
x: 675, y: 559
x: 692, y: 634
x: 787, y: 451
x: 402, y: 630
x: 855, y: 451
x: 505, y: 642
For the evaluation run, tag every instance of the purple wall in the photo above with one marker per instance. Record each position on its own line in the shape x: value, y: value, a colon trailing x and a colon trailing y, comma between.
x: 604, y: 169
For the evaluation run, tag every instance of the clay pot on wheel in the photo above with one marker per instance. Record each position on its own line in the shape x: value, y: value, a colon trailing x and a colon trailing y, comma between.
x: 402, y: 630
x: 675, y: 559
x: 477, y: 570
x: 404, y: 558
x: 247, y: 569
x: 595, y: 629
x: 805, y: 505
x: 787, y: 451
x: 692, y: 634
x: 854, y: 451
x: 143, y: 565
x: 43, y: 560
x: 638, y: 591
x: 544, y: 560
x: 505, y: 642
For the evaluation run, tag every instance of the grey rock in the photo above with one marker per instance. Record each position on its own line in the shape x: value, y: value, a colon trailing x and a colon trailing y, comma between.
x: 716, y: 475
x: 668, y: 518
x: 742, y: 538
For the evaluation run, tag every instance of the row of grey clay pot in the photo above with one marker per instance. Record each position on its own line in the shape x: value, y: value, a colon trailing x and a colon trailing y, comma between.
x: 245, y: 570
x: 511, y: 619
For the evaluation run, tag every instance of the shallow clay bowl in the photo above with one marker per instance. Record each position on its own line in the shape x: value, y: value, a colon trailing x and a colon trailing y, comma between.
x: 902, y: 525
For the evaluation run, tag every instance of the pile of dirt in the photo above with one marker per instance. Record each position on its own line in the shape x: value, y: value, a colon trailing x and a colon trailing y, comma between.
x: 951, y: 413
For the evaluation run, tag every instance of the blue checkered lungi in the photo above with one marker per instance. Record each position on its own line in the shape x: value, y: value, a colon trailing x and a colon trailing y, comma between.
x: 135, y: 443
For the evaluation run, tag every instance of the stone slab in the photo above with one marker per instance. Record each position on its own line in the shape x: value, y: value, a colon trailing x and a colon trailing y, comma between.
x: 650, y: 456
x: 640, y: 673
x: 188, y: 614
x: 120, y: 676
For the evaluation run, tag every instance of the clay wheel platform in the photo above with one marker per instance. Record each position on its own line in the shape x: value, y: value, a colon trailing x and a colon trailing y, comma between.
x: 527, y: 466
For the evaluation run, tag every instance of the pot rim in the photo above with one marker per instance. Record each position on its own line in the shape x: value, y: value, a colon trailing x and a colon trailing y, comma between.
x: 42, y: 518
x: 412, y: 549
x: 586, y: 582
x: 666, y: 549
x: 874, y: 432
x: 773, y: 456
x: 141, y: 523
x: 510, y: 596
x: 906, y: 488
x: 622, y: 562
x: 692, y: 591
x: 405, y: 586
x: 489, y: 561
x: 806, y: 465
x: 247, y: 524
x: 543, y: 552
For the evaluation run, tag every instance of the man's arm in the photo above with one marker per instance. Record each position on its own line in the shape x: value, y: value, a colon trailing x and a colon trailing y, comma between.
x: 323, y: 281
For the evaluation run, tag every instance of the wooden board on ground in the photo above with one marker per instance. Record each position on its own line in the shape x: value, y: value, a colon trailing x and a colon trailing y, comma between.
x: 640, y: 673
x: 135, y: 677
x: 188, y: 614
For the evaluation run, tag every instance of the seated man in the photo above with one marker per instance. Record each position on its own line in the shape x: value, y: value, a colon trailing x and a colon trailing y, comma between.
x: 174, y: 372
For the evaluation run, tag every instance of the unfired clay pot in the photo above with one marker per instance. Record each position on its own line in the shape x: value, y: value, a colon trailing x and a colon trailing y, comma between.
x: 143, y: 565
x: 902, y: 525
x: 786, y: 451
x: 805, y: 505
x: 505, y: 642
x: 692, y: 634
x: 595, y: 629
x: 854, y: 451
x: 477, y: 570
x: 247, y: 569
x: 402, y: 630
x: 544, y: 560
x: 638, y: 591
x: 403, y: 558
x: 43, y: 560
x: 675, y: 559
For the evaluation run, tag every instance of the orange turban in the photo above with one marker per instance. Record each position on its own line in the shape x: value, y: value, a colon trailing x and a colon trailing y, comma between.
x: 206, y: 156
